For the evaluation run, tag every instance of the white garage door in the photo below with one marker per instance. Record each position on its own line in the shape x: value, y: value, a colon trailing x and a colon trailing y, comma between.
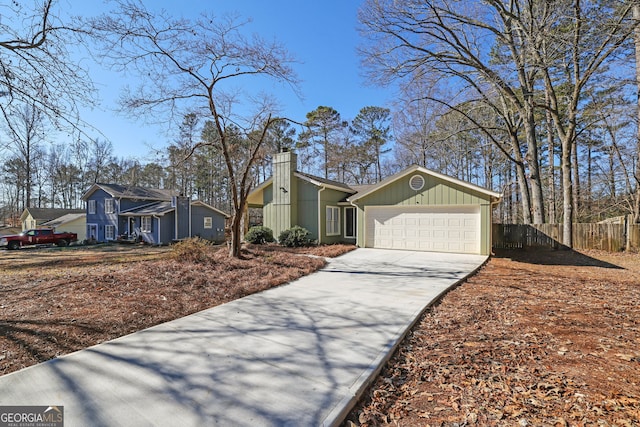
x: 439, y: 229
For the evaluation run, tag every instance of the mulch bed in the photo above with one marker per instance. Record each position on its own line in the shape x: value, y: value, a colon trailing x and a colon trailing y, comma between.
x: 535, y: 338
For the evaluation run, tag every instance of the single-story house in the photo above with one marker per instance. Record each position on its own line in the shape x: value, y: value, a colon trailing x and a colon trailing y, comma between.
x: 35, y: 217
x: 72, y: 223
x: 415, y: 209
x: 155, y: 216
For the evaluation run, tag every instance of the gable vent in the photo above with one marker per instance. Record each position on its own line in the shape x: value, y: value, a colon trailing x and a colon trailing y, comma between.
x: 416, y: 182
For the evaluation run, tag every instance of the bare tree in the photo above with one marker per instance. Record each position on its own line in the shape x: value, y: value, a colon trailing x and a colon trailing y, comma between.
x: 186, y: 65
x: 451, y: 41
x: 505, y: 49
x: 25, y: 125
x: 36, y: 66
x: 586, y: 34
x: 636, y: 39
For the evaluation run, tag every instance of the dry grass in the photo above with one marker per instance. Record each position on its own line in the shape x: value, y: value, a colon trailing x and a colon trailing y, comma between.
x: 55, y: 301
x: 534, y: 339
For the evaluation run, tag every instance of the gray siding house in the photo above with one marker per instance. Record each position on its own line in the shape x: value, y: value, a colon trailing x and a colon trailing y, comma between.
x: 154, y: 216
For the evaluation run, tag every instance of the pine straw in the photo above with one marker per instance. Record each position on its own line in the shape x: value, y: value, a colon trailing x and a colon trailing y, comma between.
x: 535, y: 338
x: 54, y: 302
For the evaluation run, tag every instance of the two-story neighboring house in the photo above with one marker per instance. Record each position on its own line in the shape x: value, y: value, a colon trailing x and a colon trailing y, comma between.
x: 154, y: 216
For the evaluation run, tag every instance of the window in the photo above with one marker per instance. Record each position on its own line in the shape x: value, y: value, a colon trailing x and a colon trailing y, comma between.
x: 109, y: 232
x: 333, y: 221
x: 208, y: 222
x: 109, y: 206
x: 350, y: 222
x: 145, y: 224
x: 92, y: 207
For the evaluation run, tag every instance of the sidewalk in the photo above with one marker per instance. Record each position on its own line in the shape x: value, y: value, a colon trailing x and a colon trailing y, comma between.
x: 297, y: 355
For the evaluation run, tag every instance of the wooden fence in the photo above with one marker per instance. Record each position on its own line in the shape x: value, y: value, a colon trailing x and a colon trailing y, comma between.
x: 608, y: 237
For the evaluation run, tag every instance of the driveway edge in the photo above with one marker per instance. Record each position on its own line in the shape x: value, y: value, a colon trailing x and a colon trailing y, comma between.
x: 338, y: 414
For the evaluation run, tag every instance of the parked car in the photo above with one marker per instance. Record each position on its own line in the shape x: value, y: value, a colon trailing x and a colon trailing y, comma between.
x: 37, y: 237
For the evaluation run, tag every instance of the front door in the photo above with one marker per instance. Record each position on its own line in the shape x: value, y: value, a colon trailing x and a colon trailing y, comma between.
x: 92, y: 232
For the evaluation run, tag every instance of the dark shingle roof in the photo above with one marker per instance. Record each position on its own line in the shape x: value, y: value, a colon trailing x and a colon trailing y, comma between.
x: 320, y: 180
x: 159, y: 208
x: 133, y: 192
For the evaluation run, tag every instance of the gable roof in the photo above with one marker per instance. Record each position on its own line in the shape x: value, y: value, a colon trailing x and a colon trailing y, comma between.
x: 131, y: 192
x: 323, y: 182
x: 163, y: 208
x: 201, y: 203
x: 64, y: 219
x: 47, y: 214
x: 415, y: 168
x: 315, y: 180
x: 356, y: 192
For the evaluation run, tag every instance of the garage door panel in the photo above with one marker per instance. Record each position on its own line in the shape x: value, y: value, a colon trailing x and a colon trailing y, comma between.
x: 443, y: 229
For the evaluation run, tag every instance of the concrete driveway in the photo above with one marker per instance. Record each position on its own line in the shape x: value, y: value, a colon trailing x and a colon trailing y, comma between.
x: 297, y: 355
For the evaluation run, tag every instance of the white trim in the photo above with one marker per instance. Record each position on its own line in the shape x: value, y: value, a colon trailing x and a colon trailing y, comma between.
x: 142, y: 225
x: 88, y: 230
x: 91, y: 207
x: 115, y: 232
x: 416, y: 168
x: 417, y: 187
x: 337, y: 218
x: 113, y: 205
x: 159, y: 231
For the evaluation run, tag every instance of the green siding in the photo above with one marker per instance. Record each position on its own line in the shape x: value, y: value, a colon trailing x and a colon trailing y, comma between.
x: 283, y: 209
x: 308, y: 207
x: 277, y: 218
x: 436, y: 192
x: 329, y: 197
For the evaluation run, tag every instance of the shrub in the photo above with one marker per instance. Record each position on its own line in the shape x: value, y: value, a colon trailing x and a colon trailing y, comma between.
x: 295, y: 237
x: 193, y: 249
x: 259, y: 235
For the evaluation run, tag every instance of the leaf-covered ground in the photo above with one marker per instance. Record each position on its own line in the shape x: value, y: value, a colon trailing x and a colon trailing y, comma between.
x: 536, y: 338
x: 59, y: 300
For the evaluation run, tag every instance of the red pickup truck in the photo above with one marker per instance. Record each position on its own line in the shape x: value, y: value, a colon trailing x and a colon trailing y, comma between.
x: 37, y: 237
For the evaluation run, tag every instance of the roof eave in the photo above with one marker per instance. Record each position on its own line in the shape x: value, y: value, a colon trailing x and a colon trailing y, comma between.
x: 417, y: 168
x: 255, y: 196
x: 323, y: 184
x: 200, y: 202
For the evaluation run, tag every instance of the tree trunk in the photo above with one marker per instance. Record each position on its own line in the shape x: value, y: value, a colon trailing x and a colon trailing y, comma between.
x: 577, y: 193
x: 636, y: 35
x: 236, y: 235
x: 533, y: 163
x: 521, y: 179
x: 552, y: 174
x: 567, y: 194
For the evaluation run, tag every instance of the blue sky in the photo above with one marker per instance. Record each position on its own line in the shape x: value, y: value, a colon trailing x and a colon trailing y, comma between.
x: 322, y: 36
